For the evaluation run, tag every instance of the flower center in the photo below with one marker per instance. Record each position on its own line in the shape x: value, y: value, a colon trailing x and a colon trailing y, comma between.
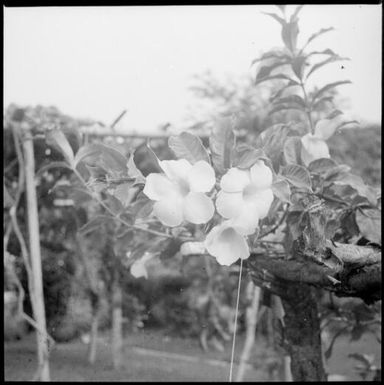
x: 249, y: 192
x: 184, y: 187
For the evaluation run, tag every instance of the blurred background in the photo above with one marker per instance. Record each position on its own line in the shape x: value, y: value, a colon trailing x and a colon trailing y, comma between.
x: 158, y: 71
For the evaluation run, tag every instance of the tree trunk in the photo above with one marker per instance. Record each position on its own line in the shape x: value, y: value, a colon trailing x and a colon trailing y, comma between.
x: 92, y: 349
x: 253, y: 293
x: 35, y: 254
x: 302, y: 333
x: 117, y: 331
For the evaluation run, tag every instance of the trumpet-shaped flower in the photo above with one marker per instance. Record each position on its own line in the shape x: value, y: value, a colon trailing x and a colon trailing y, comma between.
x: 314, y: 145
x: 227, y: 243
x: 246, y: 195
x: 179, y: 193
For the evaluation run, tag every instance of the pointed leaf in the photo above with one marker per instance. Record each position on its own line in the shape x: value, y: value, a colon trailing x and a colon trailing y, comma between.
x: 51, y: 165
x: 103, y: 155
x: 331, y: 59
x: 297, y: 175
x: 246, y: 157
x: 317, y: 34
x: 188, y: 146
x: 369, y: 223
x: 222, y: 145
x: 94, y: 224
x: 276, y: 17
x: 292, y: 150
x: 292, y: 99
x: 282, y: 190
x: 322, y: 165
x: 146, y: 160
x: 273, y: 77
x: 266, y: 70
x: 58, y: 140
x: 329, y: 87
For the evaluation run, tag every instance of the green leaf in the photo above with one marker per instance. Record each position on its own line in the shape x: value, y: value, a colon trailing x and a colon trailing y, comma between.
x: 292, y: 150
x: 283, y: 107
x: 317, y: 34
x: 273, y: 77
x: 123, y: 193
x: 188, y: 146
x: 272, y: 141
x: 51, y: 165
x: 295, y: 99
x: 271, y: 55
x: 56, y: 138
x: 322, y: 165
x: 282, y: 190
x: 104, y: 155
x: 276, y: 17
x: 343, y: 124
x: 146, y: 160
x: 222, y: 145
x: 292, y: 83
x: 95, y: 224
x: 295, y: 14
x: 321, y: 101
x: 123, y: 243
x: 331, y: 59
x: 246, y: 157
x: 355, y: 182
x: 325, y: 52
x: 297, y: 175
x: 289, y: 35
x: 298, y: 65
x: 369, y: 223
x: 114, y: 204
x: 329, y: 87
x: 265, y: 71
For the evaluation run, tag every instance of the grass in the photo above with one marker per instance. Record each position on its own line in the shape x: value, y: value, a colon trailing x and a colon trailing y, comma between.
x: 182, y: 360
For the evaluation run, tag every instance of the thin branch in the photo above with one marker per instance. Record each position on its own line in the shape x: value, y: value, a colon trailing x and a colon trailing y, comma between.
x: 135, y: 227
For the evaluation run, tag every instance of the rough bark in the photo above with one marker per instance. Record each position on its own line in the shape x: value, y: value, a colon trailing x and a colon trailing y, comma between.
x: 35, y: 253
x: 92, y: 349
x: 346, y: 270
x: 302, y: 333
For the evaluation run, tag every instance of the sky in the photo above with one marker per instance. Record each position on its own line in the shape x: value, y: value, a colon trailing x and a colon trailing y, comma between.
x: 94, y: 62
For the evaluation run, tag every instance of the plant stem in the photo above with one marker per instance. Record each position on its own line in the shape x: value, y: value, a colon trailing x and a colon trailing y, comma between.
x: 308, y: 106
x: 135, y: 227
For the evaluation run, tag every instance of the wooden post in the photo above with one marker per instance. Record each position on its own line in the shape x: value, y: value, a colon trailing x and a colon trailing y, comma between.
x: 253, y: 294
x: 35, y: 255
x: 117, y: 320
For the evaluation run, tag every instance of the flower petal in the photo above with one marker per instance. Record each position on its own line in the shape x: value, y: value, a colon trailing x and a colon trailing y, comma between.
x: 226, y: 244
x: 198, y: 208
x: 229, y: 204
x: 247, y: 221
x: 235, y: 180
x: 158, y: 186
x: 261, y: 175
x: 201, y: 177
x: 169, y: 211
x: 261, y: 202
x: 176, y: 169
x: 313, y: 148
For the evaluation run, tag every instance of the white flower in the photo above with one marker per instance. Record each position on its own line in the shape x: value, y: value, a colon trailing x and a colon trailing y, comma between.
x: 179, y: 193
x: 138, y: 268
x: 314, y: 145
x: 227, y: 243
x: 246, y: 195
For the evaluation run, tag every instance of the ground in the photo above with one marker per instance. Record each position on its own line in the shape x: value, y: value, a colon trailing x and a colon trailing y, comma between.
x: 151, y: 356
